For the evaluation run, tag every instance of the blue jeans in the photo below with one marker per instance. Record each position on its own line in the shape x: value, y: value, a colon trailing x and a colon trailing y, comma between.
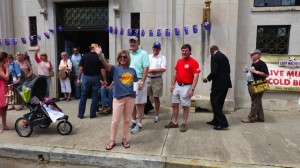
x: 89, y: 82
x: 77, y: 88
x: 107, y: 96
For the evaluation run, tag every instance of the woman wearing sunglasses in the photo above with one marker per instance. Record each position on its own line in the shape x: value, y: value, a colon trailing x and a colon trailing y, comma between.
x: 124, y: 95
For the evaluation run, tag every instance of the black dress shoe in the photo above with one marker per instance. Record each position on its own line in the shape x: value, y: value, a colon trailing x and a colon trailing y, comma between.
x: 93, y: 116
x: 211, y: 123
x: 220, y: 127
x: 81, y: 117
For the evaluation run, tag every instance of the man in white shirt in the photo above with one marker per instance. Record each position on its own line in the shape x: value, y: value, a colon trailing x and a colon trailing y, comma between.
x: 155, y: 81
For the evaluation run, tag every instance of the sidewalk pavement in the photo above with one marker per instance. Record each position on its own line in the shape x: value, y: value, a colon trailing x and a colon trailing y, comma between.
x: 274, y: 143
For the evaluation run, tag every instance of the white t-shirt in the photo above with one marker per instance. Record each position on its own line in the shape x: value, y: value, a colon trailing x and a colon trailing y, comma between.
x: 158, y: 61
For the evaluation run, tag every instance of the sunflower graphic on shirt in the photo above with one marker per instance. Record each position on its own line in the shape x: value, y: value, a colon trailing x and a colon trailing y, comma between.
x: 126, y: 78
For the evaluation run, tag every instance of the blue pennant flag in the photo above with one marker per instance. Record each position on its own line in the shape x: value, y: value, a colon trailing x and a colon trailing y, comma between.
x: 23, y: 40
x: 167, y: 33
x: 128, y: 32
x: 158, y: 33
x: 206, y: 25
x: 143, y: 33
x: 31, y: 39
x: 116, y: 30
x: 195, y: 29
x: 7, y: 42
x: 177, y: 31
x: 122, y: 31
x: 0, y: 42
x: 107, y: 29
x: 51, y: 30
x: 111, y: 29
x: 46, y: 35
x: 136, y: 32
x: 186, y: 30
x: 60, y: 29
x: 39, y: 37
x: 14, y: 41
x: 151, y: 33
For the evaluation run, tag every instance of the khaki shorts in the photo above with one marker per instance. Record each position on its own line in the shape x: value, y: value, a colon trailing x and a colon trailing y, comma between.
x: 141, y: 95
x: 155, y: 87
x: 180, y: 95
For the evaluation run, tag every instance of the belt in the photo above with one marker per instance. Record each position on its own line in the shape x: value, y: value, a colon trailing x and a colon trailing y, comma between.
x: 183, y: 84
x: 154, y: 77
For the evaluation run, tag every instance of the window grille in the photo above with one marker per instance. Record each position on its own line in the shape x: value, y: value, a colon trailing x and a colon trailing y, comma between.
x: 269, y: 3
x: 273, y: 39
x: 33, y: 30
x: 135, y: 22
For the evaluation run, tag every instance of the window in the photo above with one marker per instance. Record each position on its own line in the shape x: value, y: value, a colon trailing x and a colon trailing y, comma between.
x: 273, y: 39
x: 269, y: 3
x: 33, y: 30
x: 135, y: 23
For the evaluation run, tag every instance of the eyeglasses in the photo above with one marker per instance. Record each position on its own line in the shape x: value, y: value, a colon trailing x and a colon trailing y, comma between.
x: 123, y: 57
x: 43, y: 55
x: 75, y: 50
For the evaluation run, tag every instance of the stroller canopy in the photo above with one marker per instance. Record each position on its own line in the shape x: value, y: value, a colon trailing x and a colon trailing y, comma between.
x: 32, y: 87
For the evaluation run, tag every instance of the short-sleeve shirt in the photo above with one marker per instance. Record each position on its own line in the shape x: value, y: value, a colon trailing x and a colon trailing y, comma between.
x: 91, y: 64
x: 262, y: 67
x: 185, y: 69
x: 123, y: 81
x: 158, y: 61
x: 139, y: 61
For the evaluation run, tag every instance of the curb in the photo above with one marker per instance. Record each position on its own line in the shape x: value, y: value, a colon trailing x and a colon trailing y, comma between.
x: 109, y: 159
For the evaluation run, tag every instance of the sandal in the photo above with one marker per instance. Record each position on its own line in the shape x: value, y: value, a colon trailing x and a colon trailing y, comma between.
x: 126, y: 145
x: 110, y: 146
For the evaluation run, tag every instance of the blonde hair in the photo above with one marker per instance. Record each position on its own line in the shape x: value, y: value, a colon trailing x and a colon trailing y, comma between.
x: 128, y: 57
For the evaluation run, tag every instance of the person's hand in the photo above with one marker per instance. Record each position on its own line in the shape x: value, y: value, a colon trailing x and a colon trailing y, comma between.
x: 37, y: 48
x: 104, y: 83
x: 205, y: 80
x: 190, y: 93
x: 172, y: 88
x: 78, y: 82
x: 141, y: 85
x: 253, y: 70
x: 98, y: 50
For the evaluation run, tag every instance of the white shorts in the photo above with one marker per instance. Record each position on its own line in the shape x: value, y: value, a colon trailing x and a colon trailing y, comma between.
x: 141, y: 95
x: 180, y: 95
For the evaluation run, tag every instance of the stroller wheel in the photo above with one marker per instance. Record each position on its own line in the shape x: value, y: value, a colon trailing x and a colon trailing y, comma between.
x: 64, y: 127
x: 23, y: 127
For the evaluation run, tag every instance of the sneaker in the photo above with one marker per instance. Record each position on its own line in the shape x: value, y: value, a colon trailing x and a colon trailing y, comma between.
x: 183, y: 128
x: 156, y: 119
x: 136, y: 129
x: 132, y: 125
x: 246, y: 120
x: 106, y: 110
x: 171, y: 125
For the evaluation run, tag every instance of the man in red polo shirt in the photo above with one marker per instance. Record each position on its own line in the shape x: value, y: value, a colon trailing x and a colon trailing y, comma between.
x: 183, y: 85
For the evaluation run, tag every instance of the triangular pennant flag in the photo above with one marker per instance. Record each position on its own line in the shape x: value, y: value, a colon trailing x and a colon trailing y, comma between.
x: 143, y: 33
x: 122, y: 31
x: 111, y: 29
x: 158, y: 32
x: 151, y: 33
x: 167, y: 33
x: 116, y: 30
x: 46, y: 35
x: 23, y: 40
x: 7, y: 42
x: 31, y: 39
x: 0, y: 42
x: 60, y: 29
x: 128, y: 32
x: 51, y: 30
x: 195, y: 29
x: 177, y: 31
x: 136, y: 32
x: 107, y: 29
x: 39, y: 37
x: 14, y: 41
x: 186, y: 30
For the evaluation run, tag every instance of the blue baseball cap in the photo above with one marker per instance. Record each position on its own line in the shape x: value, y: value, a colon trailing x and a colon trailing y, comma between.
x: 156, y: 45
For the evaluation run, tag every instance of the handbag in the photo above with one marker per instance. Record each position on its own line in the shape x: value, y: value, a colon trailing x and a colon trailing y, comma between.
x: 259, y: 86
x: 62, y: 74
x: 51, y: 73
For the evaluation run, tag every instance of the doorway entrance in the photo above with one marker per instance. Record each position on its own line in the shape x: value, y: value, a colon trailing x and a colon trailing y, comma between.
x: 82, y: 23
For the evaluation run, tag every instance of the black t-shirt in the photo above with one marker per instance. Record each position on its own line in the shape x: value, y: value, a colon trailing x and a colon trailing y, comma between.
x: 91, y: 64
x: 262, y: 67
x: 109, y: 78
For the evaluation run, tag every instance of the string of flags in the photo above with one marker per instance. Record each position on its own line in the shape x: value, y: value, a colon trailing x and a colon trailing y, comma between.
x: 121, y: 31
x: 158, y: 31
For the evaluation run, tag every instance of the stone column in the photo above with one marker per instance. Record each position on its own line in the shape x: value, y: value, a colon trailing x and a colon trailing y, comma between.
x: 6, y: 25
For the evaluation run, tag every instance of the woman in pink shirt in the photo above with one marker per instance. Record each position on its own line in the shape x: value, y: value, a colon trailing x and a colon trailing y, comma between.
x: 44, y: 67
x: 4, y: 76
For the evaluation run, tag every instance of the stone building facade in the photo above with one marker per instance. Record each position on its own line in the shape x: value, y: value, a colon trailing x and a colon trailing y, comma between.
x: 234, y: 27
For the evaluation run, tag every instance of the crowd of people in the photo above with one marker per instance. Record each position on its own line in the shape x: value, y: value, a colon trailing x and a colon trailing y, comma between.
x: 123, y: 88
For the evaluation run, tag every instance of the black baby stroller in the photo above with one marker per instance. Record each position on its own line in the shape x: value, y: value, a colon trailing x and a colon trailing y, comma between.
x: 33, y: 92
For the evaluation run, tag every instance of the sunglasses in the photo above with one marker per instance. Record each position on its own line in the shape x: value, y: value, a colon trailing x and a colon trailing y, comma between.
x: 123, y: 57
x: 9, y: 58
x: 43, y: 55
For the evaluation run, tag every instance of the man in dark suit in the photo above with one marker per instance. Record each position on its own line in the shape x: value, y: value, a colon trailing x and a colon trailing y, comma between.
x: 220, y: 77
